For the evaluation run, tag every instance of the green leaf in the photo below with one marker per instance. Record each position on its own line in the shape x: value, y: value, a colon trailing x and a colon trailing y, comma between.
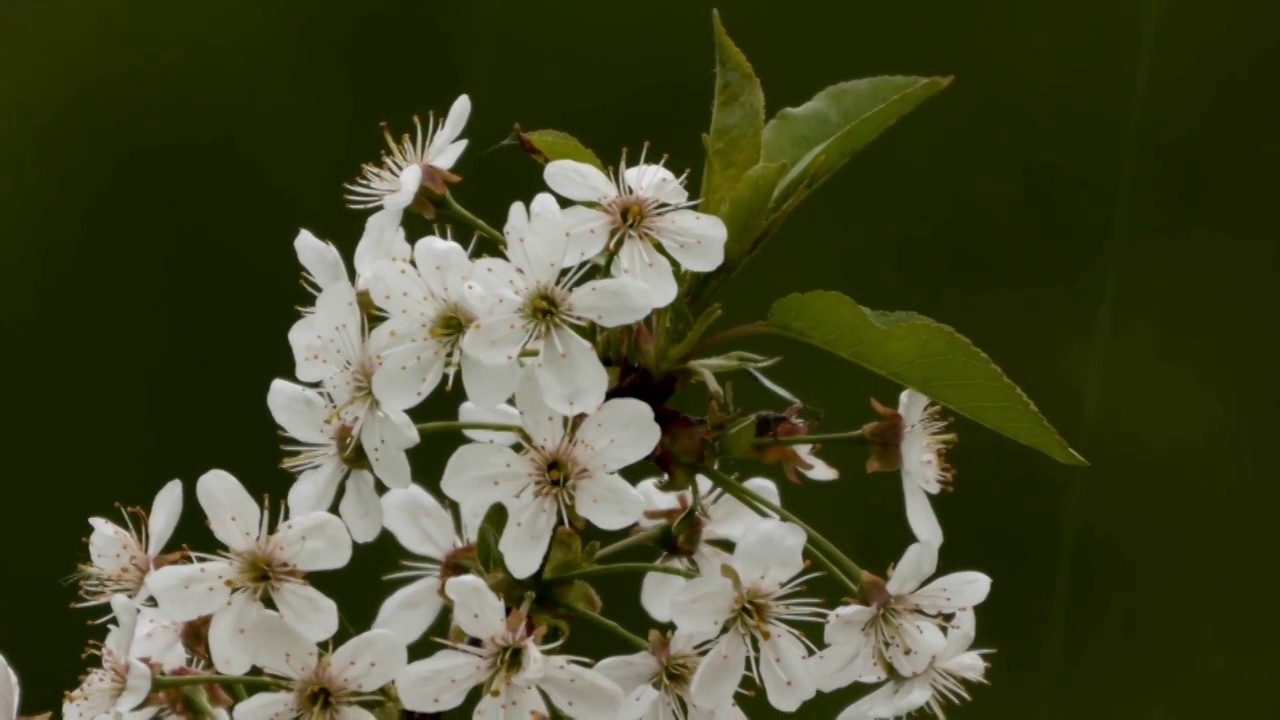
x: 566, y: 553
x: 818, y: 137
x: 747, y: 212
x: 922, y: 354
x: 548, y: 145
x: 737, y: 123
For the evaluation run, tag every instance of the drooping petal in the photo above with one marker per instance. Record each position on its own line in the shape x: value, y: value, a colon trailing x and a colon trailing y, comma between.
x: 360, y: 509
x: 918, y: 563
x: 230, y: 642
x: 629, y: 671
x: 233, y: 516
x: 409, y: 611
x: 784, y: 672
x: 496, y: 339
x: 165, y: 512
x: 312, y: 612
x: 589, y: 231
x: 622, y: 432
x: 720, y: 672
x: 368, y: 661
x: 280, y: 649
x: 480, y: 474
x: 953, y: 592
x: 384, y: 443
x: 477, y: 610
x: 316, y: 487
x: 770, y: 553
x: 579, y: 181
x: 578, y: 691
x: 640, y: 261
x: 488, y: 385
x: 408, y: 373
x: 267, y: 706
x: 572, y: 377
x: 501, y: 414
x: 185, y: 592
x: 608, y: 501
x: 703, y: 605
x: 657, y: 591
x: 612, y: 302
x: 315, y: 541
x: 530, y: 522
x: 696, y: 240
x: 321, y: 260
x: 920, y: 516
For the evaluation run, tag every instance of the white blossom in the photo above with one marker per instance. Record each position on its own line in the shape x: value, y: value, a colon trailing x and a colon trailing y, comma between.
x: 412, y: 160
x: 506, y: 662
x: 122, y: 557
x: 642, y: 208
x: 924, y: 467
x: 121, y: 683
x: 319, y: 686
x: 722, y: 517
x: 257, y: 565
x: 561, y: 469
x: 423, y: 527
x: 655, y: 683
x: 157, y: 639
x: 895, y: 627
x: 749, y: 605
x: 9, y: 691
x: 533, y: 304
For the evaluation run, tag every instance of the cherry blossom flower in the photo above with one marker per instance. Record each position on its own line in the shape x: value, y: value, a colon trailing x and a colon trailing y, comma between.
x: 257, y: 565
x: 157, y: 639
x: 721, y: 517
x: 319, y: 686
x: 643, y: 207
x: 748, y: 604
x: 914, y: 439
x: 121, y: 683
x: 9, y: 691
x: 655, y: 683
x: 505, y: 660
x: 562, y: 470
x: 424, y: 528
x: 120, y: 558
x: 895, y: 628
x: 534, y: 305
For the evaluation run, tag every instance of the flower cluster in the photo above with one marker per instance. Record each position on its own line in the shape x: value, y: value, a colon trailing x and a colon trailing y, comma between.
x: 564, y: 341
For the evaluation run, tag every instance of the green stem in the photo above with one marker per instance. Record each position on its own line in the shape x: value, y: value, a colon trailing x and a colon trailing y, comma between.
x: 640, y: 538
x: 756, y: 328
x: 855, y: 436
x: 448, y: 425
x: 826, y: 553
x: 173, y: 681
x: 593, y: 570
x: 238, y: 690
x: 477, y: 223
x: 199, y: 703
x: 605, y: 623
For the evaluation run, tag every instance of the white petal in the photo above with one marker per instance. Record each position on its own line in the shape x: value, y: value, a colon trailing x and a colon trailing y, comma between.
x: 818, y: 468
x: 875, y: 706
x: 322, y: 260
x: 280, y: 649
x: 267, y: 706
x: 9, y: 691
x: 312, y: 612
x: 301, y: 411
x: 368, y: 661
x: 488, y: 385
x: 847, y: 625
x: 589, y: 231
x: 383, y: 238
x: 578, y: 181
x: 960, y: 634
x: 409, y: 611
x: 408, y: 374
x: 440, y: 682
x: 911, y: 406
x: 316, y: 487
x: 530, y: 522
x: 920, y: 515
x: 620, y: 433
x: 418, y: 521
x: 919, y: 640
x: 513, y: 702
x: 502, y: 414
x: 496, y: 339
x: 644, y: 702
x: 165, y: 512
x: 360, y: 509
x: 384, y: 442
x: 839, y: 666
x: 315, y: 541
x: 608, y: 501
x: 640, y: 261
x: 397, y: 287
x: 696, y: 240
x: 137, y: 686
x: 476, y: 609
x: 728, y: 518
x: 769, y: 553
x: 656, y: 182
x: 572, y: 377
x: 483, y: 474
x: 657, y: 590
x: 784, y: 672
x: 703, y: 605
x: 911, y: 695
x: 720, y: 672
x: 231, y: 646
x: 449, y: 155
x: 233, y: 515
x: 496, y: 287
x: 459, y: 113
x: 546, y: 427
x: 185, y: 592
x: 159, y: 639
x: 310, y: 363
x: 579, y: 692
x: 918, y: 563
x: 657, y: 500
x: 94, y: 699
x: 953, y: 592
x: 629, y: 671
x: 612, y: 302
x: 125, y: 611
x: 111, y: 547
x: 443, y: 266
x: 533, y: 246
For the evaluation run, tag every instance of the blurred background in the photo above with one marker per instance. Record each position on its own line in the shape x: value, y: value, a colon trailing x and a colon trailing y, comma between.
x: 1091, y: 201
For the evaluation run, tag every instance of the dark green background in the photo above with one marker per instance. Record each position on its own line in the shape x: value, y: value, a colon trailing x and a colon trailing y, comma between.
x: 1091, y: 202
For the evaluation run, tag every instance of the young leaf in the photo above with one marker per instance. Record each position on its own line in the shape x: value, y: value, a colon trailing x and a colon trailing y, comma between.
x: 922, y: 354
x: 816, y: 138
x: 737, y: 123
x: 548, y: 145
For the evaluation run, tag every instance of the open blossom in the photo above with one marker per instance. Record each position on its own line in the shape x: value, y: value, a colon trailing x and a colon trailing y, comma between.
x: 506, y: 662
x: 121, y: 683
x: 940, y: 683
x: 642, y: 208
x: 421, y: 160
x: 121, y: 558
x: 914, y: 439
x: 256, y: 566
x: 895, y: 628
x: 319, y: 686
x: 332, y: 348
x: 723, y: 517
x: 424, y: 528
x: 323, y: 266
x: 9, y: 694
x: 655, y: 683
x: 431, y: 303
x: 749, y: 605
x: 563, y: 469
x: 532, y: 304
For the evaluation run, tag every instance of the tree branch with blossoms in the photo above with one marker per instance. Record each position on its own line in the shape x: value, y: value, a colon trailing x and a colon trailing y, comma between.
x: 572, y: 341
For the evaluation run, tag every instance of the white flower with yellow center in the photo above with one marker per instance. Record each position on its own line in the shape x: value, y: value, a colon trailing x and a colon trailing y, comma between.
x: 258, y: 565
x: 412, y: 161
x: 121, y: 683
x: 120, y: 558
